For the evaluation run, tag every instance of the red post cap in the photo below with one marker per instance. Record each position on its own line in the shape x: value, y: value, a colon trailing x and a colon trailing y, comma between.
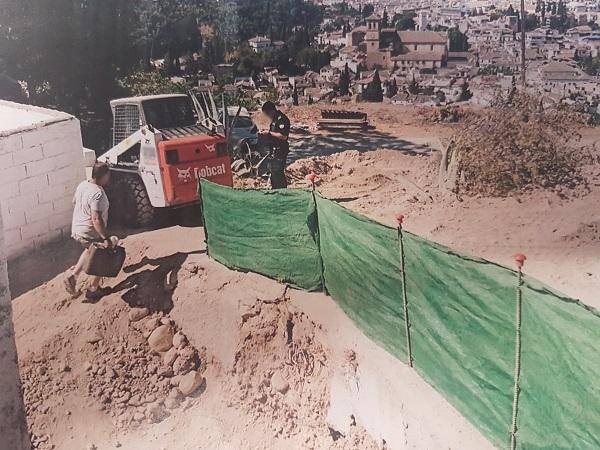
x: 520, y: 258
x: 399, y: 219
x: 311, y: 177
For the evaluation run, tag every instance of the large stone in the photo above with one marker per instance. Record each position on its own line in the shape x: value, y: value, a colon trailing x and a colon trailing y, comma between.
x: 279, y: 383
x: 190, y: 383
x: 161, y: 339
x: 170, y: 356
x: 179, y: 340
x: 137, y: 314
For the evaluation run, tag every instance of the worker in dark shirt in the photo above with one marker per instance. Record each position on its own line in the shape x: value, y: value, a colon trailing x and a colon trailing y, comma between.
x: 277, y: 139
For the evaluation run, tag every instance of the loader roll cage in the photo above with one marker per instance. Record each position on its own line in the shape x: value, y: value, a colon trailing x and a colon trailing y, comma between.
x: 173, y: 115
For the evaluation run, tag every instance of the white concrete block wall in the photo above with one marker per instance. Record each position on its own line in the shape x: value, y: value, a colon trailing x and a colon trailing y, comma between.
x: 40, y: 167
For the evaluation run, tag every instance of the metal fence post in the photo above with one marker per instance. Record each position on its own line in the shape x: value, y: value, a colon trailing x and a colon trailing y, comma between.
x: 520, y: 260
x: 399, y: 221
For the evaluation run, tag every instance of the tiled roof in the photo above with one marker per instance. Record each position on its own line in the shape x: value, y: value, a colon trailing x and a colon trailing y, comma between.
x: 422, y: 37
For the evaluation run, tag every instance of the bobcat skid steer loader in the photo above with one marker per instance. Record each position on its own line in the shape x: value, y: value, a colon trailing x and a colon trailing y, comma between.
x: 162, y: 145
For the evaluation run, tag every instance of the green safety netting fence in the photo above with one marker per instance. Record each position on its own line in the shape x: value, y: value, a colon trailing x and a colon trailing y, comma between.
x: 461, y: 311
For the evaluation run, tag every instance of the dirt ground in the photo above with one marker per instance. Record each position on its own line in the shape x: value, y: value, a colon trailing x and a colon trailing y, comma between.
x: 277, y: 368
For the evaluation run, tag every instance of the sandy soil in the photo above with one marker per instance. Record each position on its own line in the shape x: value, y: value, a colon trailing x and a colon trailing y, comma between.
x: 340, y: 390
x: 281, y: 369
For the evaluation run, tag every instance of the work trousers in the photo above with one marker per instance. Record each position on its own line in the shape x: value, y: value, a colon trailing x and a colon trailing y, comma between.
x: 278, y: 180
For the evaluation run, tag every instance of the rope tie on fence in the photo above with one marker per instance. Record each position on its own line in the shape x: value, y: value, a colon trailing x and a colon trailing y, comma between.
x: 520, y: 259
x: 399, y: 220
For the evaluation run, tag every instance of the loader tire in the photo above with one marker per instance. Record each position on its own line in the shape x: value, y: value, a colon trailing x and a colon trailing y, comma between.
x: 132, y: 204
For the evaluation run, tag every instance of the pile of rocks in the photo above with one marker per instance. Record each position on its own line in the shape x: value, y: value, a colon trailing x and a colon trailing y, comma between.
x: 151, y: 371
x: 135, y: 369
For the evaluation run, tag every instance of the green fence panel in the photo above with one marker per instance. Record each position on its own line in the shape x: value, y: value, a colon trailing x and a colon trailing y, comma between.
x: 361, y: 261
x: 462, y: 313
x: 559, y: 403
x: 461, y: 309
x: 269, y: 232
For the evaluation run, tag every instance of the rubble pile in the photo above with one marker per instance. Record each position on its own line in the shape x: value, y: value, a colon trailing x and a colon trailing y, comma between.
x: 280, y: 377
x: 137, y: 377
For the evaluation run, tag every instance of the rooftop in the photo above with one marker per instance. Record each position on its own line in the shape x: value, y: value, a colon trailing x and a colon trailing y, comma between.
x: 16, y: 117
x: 422, y: 37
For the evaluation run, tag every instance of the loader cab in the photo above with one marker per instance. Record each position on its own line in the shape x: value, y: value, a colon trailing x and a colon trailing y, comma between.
x: 158, y: 111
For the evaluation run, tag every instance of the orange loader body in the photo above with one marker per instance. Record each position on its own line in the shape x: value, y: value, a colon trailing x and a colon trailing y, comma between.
x: 185, y: 160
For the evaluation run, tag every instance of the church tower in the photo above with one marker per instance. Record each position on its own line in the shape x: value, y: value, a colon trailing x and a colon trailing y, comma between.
x: 373, y: 32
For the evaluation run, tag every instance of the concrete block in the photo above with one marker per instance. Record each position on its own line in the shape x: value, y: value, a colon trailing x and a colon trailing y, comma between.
x: 19, y: 248
x: 28, y: 154
x: 6, y: 160
x: 9, y: 190
x: 56, y: 192
x: 13, y: 220
x: 65, y: 160
x: 21, y: 202
x: 12, y: 174
x: 51, y: 236
x: 34, y: 168
x: 54, y: 148
x: 61, y: 220
x: 11, y: 143
x: 63, y: 205
x: 44, y: 134
x: 12, y: 236
x: 33, y: 184
x: 43, y: 211
x: 63, y: 175
x: 34, y: 229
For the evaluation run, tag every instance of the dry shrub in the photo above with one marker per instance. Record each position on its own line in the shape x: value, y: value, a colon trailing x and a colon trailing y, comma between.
x: 517, y: 146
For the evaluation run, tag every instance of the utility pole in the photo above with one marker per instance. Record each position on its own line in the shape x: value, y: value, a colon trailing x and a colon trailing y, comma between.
x: 523, y: 66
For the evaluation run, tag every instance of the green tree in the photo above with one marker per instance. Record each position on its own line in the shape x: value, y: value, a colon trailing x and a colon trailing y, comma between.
x: 591, y: 66
x: 312, y: 58
x: 413, y: 87
x: 392, y: 88
x: 405, y: 21
x: 385, y: 22
x: 458, y: 41
x: 368, y: 10
x: 149, y: 83
x: 344, y: 83
x: 169, y: 28
x: 247, y: 61
x: 465, y: 92
x: 374, y: 91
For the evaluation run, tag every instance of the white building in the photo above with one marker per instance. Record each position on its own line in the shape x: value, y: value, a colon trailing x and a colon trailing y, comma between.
x: 259, y: 43
x: 41, y: 163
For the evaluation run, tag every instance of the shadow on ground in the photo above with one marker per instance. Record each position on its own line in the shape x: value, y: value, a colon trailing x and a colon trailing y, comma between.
x: 325, y: 144
x: 153, y: 287
x: 41, y: 265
